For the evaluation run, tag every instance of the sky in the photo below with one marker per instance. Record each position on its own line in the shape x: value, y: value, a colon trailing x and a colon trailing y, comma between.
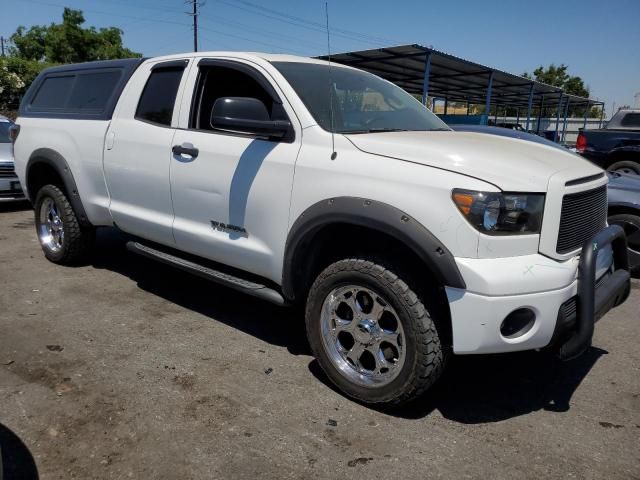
x: 598, y: 39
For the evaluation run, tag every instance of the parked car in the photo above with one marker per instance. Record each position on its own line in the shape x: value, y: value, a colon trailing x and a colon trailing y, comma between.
x: 623, y: 191
x: 616, y: 147
x: 321, y: 185
x: 9, y: 184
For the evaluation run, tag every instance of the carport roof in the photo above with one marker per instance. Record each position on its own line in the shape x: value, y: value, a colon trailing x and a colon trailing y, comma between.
x: 453, y: 78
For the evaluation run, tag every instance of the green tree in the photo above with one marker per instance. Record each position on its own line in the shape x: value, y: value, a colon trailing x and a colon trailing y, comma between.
x: 557, y: 76
x: 16, y: 74
x: 69, y: 41
x: 41, y: 46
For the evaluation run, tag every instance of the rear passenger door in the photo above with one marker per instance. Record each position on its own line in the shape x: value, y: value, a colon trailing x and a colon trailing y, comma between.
x: 137, y: 153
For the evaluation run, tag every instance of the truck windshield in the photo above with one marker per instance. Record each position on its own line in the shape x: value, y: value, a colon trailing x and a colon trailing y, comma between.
x: 362, y: 102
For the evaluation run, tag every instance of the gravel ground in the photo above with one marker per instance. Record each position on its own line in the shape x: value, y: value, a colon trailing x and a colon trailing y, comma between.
x: 129, y: 369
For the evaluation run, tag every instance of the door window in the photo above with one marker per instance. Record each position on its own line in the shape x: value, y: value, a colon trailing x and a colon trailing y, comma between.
x: 217, y: 82
x: 159, y: 96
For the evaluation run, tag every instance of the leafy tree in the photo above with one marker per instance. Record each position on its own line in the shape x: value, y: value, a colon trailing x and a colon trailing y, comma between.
x: 10, y: 86
x: 42, y: 46
x: 16, y: 74
x: 69, y: 42
x: 557, y: 76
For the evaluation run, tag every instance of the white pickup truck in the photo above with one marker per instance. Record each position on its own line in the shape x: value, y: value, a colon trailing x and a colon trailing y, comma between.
x: 323, y: 186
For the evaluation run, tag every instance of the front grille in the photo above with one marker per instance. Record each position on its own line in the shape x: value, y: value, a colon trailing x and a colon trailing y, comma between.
x: 7, y: 170
x: 583, y: 215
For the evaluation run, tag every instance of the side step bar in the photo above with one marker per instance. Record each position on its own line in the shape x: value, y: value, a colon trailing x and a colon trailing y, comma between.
x: 240, y: 284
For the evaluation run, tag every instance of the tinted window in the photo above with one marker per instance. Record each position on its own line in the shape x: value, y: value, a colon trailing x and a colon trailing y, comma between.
x: 631, y: 120
x: 159, y: 96
x: 4, y: 132
x: 91, y: 91
x: 53, y: 93
x: 218, y: 82
x: 359, y: 102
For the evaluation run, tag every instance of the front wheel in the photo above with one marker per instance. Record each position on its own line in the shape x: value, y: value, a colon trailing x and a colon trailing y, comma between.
x: 371, y: 334
x: 62, y: 238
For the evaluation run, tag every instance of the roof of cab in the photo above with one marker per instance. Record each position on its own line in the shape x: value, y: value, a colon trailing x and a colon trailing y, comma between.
x: 269, y: 57
x: 129, y: 63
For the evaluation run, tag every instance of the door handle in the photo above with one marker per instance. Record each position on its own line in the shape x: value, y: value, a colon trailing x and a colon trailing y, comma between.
x: 185, y: 149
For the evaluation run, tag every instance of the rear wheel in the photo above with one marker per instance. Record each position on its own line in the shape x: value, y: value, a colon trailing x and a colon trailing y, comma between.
x: 371, y: 334
x: 61, y: 237
x: 626, y: 167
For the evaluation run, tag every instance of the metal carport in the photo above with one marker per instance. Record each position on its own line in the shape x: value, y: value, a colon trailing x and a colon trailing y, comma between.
x: 427, y: 72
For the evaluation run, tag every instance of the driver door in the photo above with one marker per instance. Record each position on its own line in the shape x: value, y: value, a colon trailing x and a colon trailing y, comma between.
x: 231, y: 191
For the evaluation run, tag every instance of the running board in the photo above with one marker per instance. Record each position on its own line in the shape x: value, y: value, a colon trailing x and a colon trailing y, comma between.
x: 240, y: 284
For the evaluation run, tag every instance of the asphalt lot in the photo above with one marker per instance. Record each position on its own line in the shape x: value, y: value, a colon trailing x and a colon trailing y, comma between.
x: 129, y: 369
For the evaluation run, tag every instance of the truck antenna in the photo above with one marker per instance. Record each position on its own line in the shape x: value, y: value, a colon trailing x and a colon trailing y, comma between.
x: 333, y: 134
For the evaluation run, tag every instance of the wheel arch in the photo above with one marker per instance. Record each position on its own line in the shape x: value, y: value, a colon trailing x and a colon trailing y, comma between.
x: 48, y: 166
x: 626, y: 153
x: 623, y: 208
x: 366, y: 215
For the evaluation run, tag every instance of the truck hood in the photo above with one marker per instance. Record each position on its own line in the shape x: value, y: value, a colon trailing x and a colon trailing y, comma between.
x: 508, y: 163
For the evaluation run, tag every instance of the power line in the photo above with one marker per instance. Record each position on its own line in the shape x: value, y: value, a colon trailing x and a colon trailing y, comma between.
x: 304, y: 23
x: 259, y: 42
x: 145, y: 6
x: 98, y: 12
x: 314, y: 23
x: 155, y: 6
x: 261, y: 31
x: 222, y: 20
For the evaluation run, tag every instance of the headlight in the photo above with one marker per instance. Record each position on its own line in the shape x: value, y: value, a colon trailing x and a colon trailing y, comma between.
x: 501, y: 213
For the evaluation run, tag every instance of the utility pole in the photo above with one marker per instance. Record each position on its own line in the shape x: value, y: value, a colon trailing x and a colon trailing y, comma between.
x: 195, y: 4
x: 4, y: 43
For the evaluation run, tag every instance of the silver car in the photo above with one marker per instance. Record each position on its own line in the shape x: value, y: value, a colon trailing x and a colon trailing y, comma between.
x: 10, y: 188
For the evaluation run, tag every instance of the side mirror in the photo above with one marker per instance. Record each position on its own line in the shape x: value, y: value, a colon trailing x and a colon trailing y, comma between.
x: 246, y: 115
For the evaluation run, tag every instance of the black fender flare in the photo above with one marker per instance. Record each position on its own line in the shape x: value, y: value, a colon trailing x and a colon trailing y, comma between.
x: 621, y: 150
x: 56, y: 161
x: 378, y: 216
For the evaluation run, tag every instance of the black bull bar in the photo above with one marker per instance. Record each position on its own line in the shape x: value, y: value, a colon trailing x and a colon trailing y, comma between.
x: 593, y: 302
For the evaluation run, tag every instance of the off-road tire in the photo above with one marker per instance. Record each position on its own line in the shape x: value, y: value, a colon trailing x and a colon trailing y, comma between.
x: 78, y: 240
x: 425, y: 356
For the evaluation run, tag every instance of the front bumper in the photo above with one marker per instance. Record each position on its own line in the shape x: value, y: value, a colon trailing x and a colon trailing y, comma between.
x: 495, y: 289
x: 594, y: 301
x: 10, y: 189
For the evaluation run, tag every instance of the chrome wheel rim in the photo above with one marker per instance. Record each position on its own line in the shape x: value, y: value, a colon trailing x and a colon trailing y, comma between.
x: 362, y: 335
x: 51, y: 228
